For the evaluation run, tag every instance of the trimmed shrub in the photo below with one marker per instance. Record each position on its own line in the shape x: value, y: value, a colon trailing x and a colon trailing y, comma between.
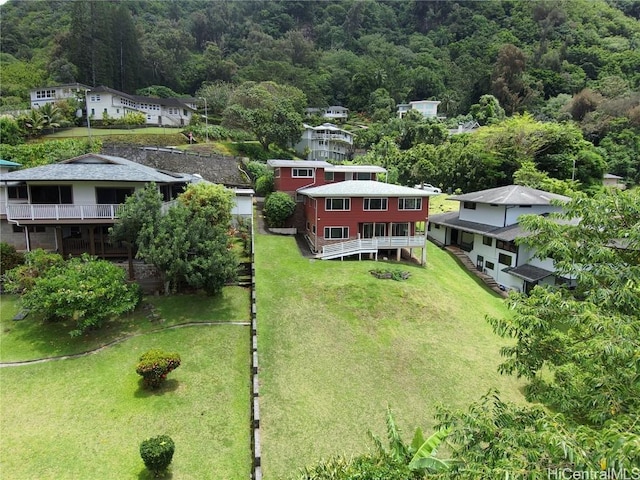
x: 278, y: 207
x: 157, y: 453
x: 155, y: 365
x: 264, y: 185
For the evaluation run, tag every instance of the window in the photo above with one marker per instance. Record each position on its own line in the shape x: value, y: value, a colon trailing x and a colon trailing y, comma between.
x: 51, y: 194
x: 504, y: 259
x: 362, y: 176
x: 302, y: 172
x: 400, y: 230
x: 409, y: 204
x: 313, y: 229
x: 508, y: 246
x: 336, y: 233
x: 488, y: 241
x: 18, y: 192
x: 114, y: 196
x: 375, y: 203
x: 489, y: 265
x: 16, y: 228
x: 469, y: 205
x: 276, y: 172
x: 436, y: 226
x: 337, y: 204
x: 95, y: 98
x: 328, y: 176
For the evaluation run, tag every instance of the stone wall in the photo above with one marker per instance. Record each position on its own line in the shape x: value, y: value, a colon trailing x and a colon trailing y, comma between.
x: 213, y: 168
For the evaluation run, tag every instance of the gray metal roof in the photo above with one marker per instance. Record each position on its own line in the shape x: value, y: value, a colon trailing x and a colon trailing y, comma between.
x: 97, y: 168
x: 510, y: 195
x: 363, y: 188
x: 527, y: 272
x: 451, y: 219
x: 298, y: 163
x: 356, y: 168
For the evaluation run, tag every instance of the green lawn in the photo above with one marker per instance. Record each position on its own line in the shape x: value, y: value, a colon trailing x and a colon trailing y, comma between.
x: 30, y: 338
x: 440, y: 204
x: 85, y: 417
x: 338, y: 345
x: 103, y: 132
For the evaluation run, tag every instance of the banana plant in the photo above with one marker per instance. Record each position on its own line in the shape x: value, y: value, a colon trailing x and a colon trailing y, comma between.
x: 420, y: 455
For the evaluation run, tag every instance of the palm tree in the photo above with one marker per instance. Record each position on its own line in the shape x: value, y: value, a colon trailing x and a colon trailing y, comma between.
x: 51, y: 115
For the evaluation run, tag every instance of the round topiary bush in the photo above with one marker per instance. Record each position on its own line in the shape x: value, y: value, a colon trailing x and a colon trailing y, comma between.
x: 155, y: 365
x: 157, y: 453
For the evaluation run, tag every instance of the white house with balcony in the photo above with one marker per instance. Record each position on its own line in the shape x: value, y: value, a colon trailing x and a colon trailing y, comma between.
x: 325, y: 142
x: 427, y: 108
x: 69, y: 206
x: 170, y: 112
x: 43, y: 95
x: 486, y: 228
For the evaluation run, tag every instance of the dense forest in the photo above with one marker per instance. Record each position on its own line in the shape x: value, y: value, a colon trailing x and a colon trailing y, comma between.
x: 337, y: 52
x: 559, y: 62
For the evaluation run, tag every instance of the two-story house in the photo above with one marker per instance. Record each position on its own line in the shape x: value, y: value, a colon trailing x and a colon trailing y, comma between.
x: 428, y: 108
x: 334, y: 112
x: 101, y: 101
x: 325, y: 142
x: 43, y: 95
x: 171, y: 112
x: 69, y: 206
x: 347, y: 211
x: 486, y: 228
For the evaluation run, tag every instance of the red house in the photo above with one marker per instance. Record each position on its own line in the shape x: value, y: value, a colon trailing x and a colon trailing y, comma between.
x: 348, y: 212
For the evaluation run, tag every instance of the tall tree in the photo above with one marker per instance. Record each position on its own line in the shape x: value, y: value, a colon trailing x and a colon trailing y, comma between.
x: 272, y: 112
x: 587, y: 337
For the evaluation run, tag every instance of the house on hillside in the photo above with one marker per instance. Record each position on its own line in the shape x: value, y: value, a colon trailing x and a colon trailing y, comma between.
x: 69, y: 206
x: 335, y: 112
x: 486, y: 228
x: 170, y: 112
x: 325, y: 142
x: 42, y: 95
x: 613, y: 181
x: 428, y: 108
x: 344, y: 210
x: 101, y: 101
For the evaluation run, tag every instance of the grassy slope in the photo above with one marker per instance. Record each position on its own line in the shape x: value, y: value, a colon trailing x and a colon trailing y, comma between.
x: 85, y: 418
x: 337, y: 346
x: 104, y: 132
x: 30, y: 339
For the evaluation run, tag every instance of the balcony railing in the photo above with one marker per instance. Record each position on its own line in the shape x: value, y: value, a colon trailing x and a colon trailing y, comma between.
x: 17, y: 212
x: 363, y: 245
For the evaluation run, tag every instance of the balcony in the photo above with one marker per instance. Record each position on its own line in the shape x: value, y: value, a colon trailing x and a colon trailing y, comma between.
x: 31, y: 212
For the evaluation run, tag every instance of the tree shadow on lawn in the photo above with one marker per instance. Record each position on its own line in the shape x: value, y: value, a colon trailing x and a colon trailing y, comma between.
x: 147, y: 475
x: 168, y: 386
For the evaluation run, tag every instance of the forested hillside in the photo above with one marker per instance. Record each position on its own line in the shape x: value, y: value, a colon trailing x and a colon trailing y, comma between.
x: 337, y: 52
x: 555, y: 61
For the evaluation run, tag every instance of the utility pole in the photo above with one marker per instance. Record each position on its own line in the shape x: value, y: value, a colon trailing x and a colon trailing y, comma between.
x: 206, y: 120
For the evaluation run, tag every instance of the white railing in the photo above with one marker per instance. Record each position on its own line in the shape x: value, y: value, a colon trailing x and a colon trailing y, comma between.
x: 364, y: 245
x: 17, y: 212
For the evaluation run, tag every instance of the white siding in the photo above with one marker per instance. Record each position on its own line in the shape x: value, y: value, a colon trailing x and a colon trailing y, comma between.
x: 483, y: 213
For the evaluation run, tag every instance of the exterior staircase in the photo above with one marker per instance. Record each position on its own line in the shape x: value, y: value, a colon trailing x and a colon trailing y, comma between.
x: 471, y: 267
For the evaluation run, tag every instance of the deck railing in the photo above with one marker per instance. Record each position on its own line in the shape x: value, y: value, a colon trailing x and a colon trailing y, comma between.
x: 16, y: 212
x: 365, y: 245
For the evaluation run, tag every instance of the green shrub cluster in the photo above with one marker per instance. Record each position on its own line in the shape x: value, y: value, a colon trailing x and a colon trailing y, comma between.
x: 9, y: 257
x: 157, y: 453
x: 36, y: 263
x: 155, y: 365
x: 393, y: 274
x: 278, y: 207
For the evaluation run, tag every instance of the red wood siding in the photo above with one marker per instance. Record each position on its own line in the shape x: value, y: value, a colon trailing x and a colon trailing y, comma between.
x: 287, y: 183
x: 316, y: 214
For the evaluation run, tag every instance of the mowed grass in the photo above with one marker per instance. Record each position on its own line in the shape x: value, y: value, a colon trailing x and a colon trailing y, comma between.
x: 105, y: 132
x: 440, y: 204
x: 85, y: 418
x: 31, y: 338
x: 337, y: 346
